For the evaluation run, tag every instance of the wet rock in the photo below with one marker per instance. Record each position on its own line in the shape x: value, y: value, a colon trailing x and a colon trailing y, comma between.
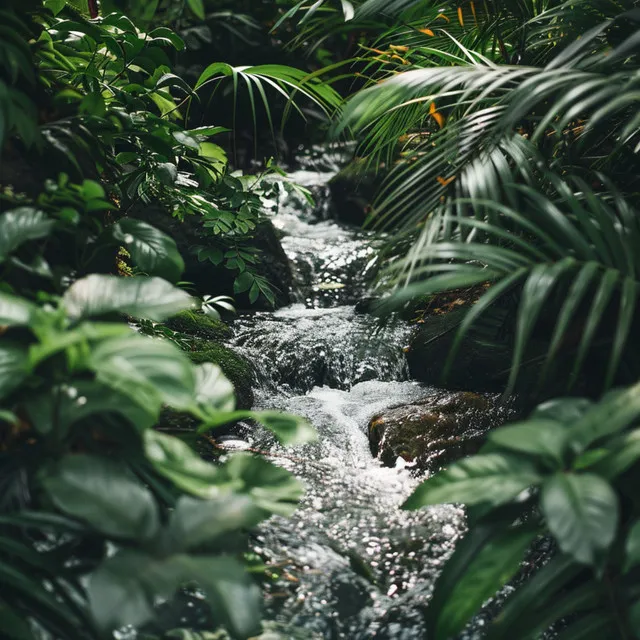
x: 234, y: 366
x: 210, y: 279
x: 481, y: 364
x: 199, y: 325
x: 352, y: 192
x: 435, y: 430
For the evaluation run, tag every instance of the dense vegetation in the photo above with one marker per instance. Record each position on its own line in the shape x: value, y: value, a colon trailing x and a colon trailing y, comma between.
x: 507, y: 134
x: 102, y: 516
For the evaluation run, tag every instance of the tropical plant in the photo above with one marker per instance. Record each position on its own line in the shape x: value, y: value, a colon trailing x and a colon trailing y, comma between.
x: 103, y: 518
x: 567, y: 472
x: 511, y: 132
x: 111, y: 106
x: 101, y: 515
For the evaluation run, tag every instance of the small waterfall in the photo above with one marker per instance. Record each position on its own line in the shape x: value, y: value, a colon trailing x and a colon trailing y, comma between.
x: 298, y: 348
x: 350, y: 563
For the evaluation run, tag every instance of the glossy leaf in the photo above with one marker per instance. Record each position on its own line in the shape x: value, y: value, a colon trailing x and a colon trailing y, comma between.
x: 491, y: 479
x: 150, y: 372
x: 22, y: 225
x: 197, y: 523
x: 151, y: 250
x: 582, y: 514
x: 140, y: 297
x: 15, y: 311
x: 540, y: 438
x: 125, y: 587
x: 177, y: 462
x: 493, y: 567
x: 289, y: 429
x: 14, y: 368
x: 94, y: 489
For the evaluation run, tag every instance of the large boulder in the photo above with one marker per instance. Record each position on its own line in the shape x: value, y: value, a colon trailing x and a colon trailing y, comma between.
x: 234, y: 366
x: 480, y: 364
x: 433, y: 431
x: 211, y: 279
x: 352, y: 192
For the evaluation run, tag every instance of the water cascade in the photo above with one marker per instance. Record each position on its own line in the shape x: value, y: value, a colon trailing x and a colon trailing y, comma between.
x: 349, y: 564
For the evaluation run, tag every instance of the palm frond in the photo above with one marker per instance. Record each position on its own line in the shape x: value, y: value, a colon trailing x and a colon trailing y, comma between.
x: 572, y: 246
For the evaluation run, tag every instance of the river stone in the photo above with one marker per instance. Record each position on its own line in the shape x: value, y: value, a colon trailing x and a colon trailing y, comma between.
x: 480, y: 365
x: 210, y: 279
x: 352, y: 192
x: 433, y: 431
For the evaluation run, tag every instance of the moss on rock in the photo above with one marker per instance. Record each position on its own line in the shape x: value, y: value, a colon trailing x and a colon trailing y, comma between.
x: 200, y: 325
x: 234, y: 366
x: 434, y: 431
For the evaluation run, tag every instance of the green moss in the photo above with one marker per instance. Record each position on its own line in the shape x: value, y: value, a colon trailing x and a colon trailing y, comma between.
x: 199, y: 325
x: 237, y: 369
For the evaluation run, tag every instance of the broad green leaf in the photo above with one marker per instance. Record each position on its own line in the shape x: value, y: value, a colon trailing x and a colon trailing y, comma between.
x: 541, y: 438
x: 582, y: 514
x: 632, y: 548
x: 14, y: 368
x: 197, y: 6
x: 124, y: 589
x: 618, y: 457
x: 184, y: 138
x: 151, y: 372
x: 15, y: 311
x: 60, y: 408
x: 289, y: 429
x: 520, y: 613
x: 140, y: 297
x: 243, y: 282
x: 272, y: 488
x: 214, y: 153
x: 213, y: 390
x: 151, y: 250
x: 564, y: 410
x: 105, y: 494
x: 173, y: 459
x: 195, y: 523
x: 491, y: 479
x: 486, y: 574
x: 19, y: 226
x: 612, y: 414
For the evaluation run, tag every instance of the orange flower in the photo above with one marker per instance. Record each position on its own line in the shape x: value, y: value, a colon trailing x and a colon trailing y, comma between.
x: 427, y: 32
x: 445, y: 181
x: 436, y: 115
x: 460, y: 17
x: 400, y: 49
x: 473, y: 10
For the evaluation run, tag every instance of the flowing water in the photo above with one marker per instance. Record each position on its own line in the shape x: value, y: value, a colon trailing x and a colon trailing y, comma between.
x: 350, y: 563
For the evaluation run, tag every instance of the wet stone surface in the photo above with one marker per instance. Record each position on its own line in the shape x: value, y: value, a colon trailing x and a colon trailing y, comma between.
x: 350, y: 563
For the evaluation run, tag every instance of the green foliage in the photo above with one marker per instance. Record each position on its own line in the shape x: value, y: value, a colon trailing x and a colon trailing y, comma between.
x: 86, y: 393
x: 583, y: 479
x: 200, y: 325
x: 234, y: 366
x: 513, y: 139
x: 101, y: 516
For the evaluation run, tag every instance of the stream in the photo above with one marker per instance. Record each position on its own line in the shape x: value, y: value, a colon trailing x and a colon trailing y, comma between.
x: 349, y: 563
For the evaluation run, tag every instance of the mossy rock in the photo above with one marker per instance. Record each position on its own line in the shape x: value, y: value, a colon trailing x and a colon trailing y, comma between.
x: 200, y: 325
x: 435, y: 430
x: 234, y: 366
